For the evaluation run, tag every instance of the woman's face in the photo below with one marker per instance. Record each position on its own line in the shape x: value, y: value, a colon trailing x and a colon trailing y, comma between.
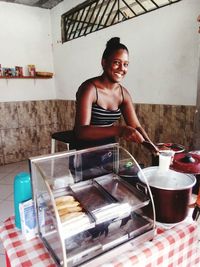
x: 116, y: 66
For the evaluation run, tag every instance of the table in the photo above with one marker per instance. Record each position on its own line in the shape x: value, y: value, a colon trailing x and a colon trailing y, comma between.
x: 177, y: 246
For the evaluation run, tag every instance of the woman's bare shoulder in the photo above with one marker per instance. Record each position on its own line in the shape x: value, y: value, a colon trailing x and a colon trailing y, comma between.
x: 87, y: 87
x: 125, y: 91
x: 126, y: 96
x: 89, y: 83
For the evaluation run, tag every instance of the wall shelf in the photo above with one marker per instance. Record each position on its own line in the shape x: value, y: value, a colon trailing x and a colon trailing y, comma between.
x: 26, y: 77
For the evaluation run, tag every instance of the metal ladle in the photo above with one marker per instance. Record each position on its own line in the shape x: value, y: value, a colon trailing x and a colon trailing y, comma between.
x: 149, y: 145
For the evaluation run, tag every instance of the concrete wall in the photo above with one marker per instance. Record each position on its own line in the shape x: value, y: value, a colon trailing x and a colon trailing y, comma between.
x: 26, y: 127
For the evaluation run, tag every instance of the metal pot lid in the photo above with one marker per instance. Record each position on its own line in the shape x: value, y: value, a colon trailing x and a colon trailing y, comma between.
x: 172, y: 146
x: 187, y: 162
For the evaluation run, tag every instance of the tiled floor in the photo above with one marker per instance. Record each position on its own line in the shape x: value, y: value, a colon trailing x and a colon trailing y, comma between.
x: 7, y: 175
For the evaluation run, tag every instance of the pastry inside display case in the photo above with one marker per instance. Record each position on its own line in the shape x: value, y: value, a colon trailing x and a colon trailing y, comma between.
x: 84, y: 209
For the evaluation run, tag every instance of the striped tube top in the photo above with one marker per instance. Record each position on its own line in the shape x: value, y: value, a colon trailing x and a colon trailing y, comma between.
x: 104, y: 117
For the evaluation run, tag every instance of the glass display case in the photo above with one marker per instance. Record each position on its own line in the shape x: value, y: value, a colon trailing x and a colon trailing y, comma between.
x: 84, y: 208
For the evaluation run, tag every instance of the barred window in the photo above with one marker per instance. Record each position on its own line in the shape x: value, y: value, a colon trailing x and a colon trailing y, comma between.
x: 95, y: 15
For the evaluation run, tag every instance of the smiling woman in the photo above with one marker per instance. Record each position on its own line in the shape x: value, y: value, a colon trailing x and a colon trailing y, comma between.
x: 100, y: 102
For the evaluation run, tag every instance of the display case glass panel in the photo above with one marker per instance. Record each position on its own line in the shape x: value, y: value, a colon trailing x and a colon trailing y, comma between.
x: 84, y: 208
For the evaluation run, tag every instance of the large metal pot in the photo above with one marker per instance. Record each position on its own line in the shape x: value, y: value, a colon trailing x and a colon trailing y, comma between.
x: 171, y: 192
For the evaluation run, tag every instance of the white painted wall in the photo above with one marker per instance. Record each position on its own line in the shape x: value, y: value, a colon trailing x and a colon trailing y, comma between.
x: 163, y: 48
x: 163, y: 53
x: 25, y: 38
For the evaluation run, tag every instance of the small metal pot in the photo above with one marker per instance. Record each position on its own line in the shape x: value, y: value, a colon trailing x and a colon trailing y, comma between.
x: 171, y: 192
x: 188, y: 163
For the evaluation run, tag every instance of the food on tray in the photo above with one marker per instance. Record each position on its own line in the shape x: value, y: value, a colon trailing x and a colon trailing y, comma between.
x: 69, y: 210
x: 64, y: 199
x: 68, y: 216
x: 65, y: 205
x: 68, y: 207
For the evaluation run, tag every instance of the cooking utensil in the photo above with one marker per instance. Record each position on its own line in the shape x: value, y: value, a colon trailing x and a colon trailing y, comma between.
x: 171, y: 191
x: 149, y: 145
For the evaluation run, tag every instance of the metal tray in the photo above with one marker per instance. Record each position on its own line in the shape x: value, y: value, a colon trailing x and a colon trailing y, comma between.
x: 136, y: 225
x: 91, y: 195
x: 81, y: 248
x: 122, y: 191
x: 94, y: 199
x: 106, y: 236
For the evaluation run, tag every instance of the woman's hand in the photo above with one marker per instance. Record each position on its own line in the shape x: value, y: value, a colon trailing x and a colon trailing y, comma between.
x: 131, y: 134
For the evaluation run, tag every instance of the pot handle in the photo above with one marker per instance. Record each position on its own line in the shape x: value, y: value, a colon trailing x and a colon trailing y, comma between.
x: 142, y: 188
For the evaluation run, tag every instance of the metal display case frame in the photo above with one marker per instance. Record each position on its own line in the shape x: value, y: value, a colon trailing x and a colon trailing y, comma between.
x: 113, y: 213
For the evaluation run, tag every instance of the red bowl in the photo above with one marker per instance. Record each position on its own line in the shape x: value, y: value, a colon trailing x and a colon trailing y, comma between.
x: 172, y: 146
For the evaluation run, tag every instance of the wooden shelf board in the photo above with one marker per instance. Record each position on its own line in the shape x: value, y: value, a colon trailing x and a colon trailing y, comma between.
x: 25, y: 77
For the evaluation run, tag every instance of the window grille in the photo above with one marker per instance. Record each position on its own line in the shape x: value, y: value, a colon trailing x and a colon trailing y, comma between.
x: 95, y: 15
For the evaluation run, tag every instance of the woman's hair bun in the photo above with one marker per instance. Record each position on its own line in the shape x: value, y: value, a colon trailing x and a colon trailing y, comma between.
x: 113, y: 45
x: 113, y: 42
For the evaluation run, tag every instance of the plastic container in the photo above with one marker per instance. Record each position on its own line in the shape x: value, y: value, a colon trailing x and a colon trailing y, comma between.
x: 165, y: 160
x: 22, y: 192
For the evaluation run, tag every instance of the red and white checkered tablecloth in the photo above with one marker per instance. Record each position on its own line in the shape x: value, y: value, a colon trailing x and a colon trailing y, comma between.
x: 20, y: 252
x: 173, y: 247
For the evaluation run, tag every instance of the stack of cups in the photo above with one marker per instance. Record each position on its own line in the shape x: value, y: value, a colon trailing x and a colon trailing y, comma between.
x: 165, y: 159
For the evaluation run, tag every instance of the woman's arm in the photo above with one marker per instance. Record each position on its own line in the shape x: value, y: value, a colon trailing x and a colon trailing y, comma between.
x: 130, y: 116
